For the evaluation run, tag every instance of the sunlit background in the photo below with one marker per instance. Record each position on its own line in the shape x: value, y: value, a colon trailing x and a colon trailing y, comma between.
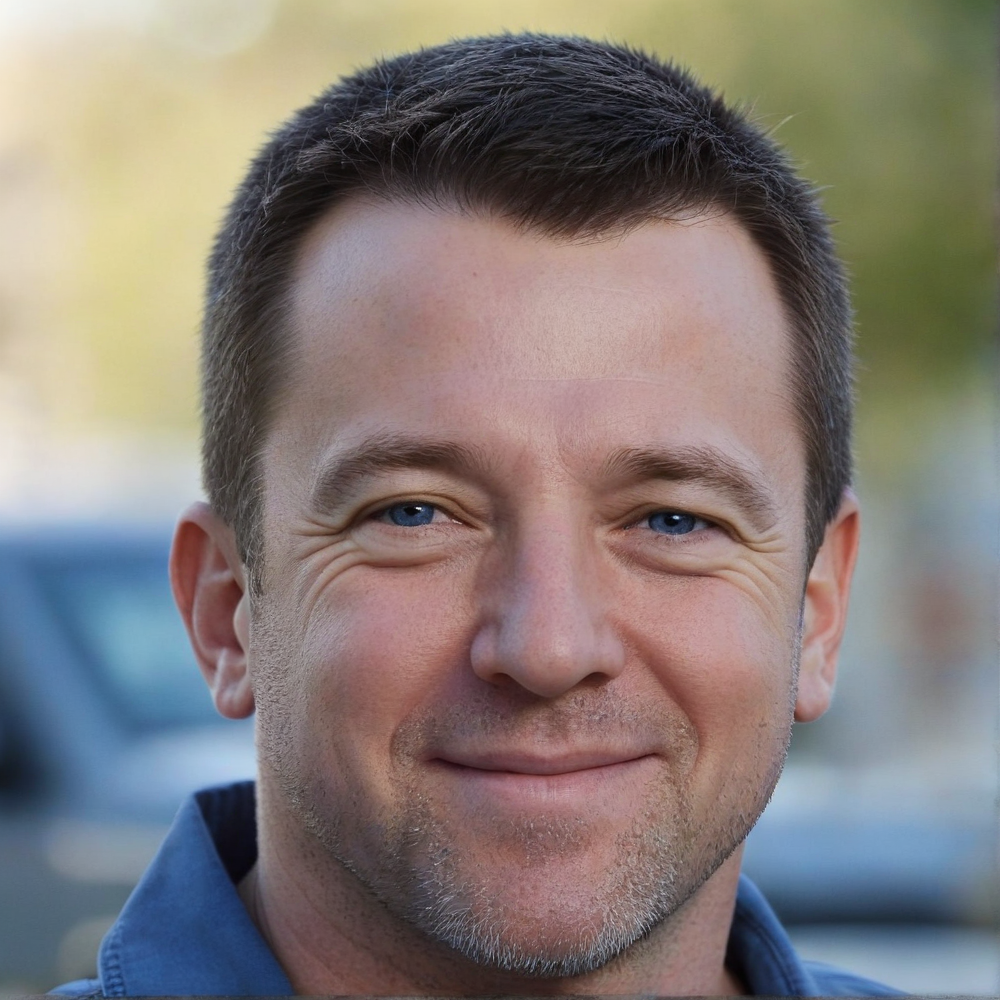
x: 124, y: 126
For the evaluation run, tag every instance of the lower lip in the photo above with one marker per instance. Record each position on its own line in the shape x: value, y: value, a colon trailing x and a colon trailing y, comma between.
x: 516, y: 786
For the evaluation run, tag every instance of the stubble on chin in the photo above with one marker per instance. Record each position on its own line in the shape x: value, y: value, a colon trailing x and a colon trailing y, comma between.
x: 526, y: 897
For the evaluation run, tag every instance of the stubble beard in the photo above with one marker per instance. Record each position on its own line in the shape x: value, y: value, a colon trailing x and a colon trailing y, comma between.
x: 410, y: 862
x: 424, y: 879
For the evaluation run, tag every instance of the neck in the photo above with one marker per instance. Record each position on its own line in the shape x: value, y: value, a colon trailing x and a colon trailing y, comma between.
x: 333, y: 937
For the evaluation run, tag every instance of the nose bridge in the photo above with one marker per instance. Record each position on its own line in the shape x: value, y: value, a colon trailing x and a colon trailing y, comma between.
x: 547, y: 628
x: 551, y: 596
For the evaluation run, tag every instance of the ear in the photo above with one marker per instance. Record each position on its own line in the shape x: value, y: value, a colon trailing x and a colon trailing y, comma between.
x: 825, y: 611
x: 209, y: 585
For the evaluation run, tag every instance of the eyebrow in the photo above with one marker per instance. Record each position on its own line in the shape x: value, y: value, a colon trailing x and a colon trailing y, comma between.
x: 383, y: 453
x: 701, y: 465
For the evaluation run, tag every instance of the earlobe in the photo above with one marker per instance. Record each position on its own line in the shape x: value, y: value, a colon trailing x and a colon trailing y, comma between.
x: 209, y: 586
x: 825, y: 611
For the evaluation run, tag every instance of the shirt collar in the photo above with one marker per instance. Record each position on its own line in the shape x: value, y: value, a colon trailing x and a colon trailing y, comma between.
x: 761, y: 953
x: 185, y: 931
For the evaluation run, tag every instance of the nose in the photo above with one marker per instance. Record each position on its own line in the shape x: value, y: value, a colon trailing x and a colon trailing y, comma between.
x: 545, y: 625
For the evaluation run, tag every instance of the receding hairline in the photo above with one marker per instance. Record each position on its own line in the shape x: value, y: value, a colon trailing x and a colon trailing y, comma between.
x: 446, y: 203
x: 340, y: 210
x: 358, y: 202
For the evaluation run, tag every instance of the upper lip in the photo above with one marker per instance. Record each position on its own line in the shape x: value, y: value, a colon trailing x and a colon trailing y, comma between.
x: 522, y: 762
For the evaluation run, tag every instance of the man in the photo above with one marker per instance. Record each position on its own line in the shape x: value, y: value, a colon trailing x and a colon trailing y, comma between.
x: 527, y: 401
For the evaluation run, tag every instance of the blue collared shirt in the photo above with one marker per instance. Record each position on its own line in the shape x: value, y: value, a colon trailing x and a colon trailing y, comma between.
x: 185, y: 932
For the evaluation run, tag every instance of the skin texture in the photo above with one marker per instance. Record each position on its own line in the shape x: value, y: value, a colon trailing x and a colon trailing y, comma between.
x: 516, y: 748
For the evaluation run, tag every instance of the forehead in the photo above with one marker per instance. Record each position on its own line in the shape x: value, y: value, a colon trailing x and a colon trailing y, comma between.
x: 404, y: 316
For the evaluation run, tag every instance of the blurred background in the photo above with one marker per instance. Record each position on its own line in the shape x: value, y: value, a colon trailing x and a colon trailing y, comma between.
x: 124, y: 126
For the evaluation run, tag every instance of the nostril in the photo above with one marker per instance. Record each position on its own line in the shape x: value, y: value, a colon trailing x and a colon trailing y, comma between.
x: 596, y: 678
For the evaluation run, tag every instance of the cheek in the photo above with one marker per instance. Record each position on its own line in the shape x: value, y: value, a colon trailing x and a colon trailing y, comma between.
x: 725, y: 661
x: 376, y: 651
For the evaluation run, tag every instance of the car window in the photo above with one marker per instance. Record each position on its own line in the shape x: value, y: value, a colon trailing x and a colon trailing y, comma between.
x: 118, y: 611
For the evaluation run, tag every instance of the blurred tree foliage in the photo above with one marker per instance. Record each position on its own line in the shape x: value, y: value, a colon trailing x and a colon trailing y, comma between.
x: 140, y: 135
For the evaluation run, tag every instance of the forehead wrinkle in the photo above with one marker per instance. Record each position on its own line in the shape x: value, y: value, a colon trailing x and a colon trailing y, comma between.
x: 702, y: 465
x: 381, y: 453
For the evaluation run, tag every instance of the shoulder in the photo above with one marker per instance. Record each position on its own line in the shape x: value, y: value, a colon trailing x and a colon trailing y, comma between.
x: 81, y: 989
x: 834, y: 982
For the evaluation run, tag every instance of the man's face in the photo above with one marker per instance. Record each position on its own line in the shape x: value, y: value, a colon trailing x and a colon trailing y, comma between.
x: 524, y: 659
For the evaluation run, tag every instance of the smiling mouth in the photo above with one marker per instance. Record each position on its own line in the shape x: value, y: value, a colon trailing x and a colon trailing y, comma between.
x: 530, y: 766
x: 577, y: 785
x: 585, y: 785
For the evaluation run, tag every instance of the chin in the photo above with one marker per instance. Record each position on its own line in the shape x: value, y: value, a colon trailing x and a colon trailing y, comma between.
x: 541, y: 900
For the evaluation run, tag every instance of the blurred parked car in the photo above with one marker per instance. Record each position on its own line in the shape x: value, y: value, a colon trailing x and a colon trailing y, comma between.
x: 889, y: 870
x: 106, y: 724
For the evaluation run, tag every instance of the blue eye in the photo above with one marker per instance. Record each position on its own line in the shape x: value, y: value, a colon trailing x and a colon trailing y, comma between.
x: 410, y: 514
x: 673, y: 522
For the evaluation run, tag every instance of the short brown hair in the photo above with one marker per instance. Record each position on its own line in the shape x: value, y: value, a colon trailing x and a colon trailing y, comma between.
x: 565, y: 136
